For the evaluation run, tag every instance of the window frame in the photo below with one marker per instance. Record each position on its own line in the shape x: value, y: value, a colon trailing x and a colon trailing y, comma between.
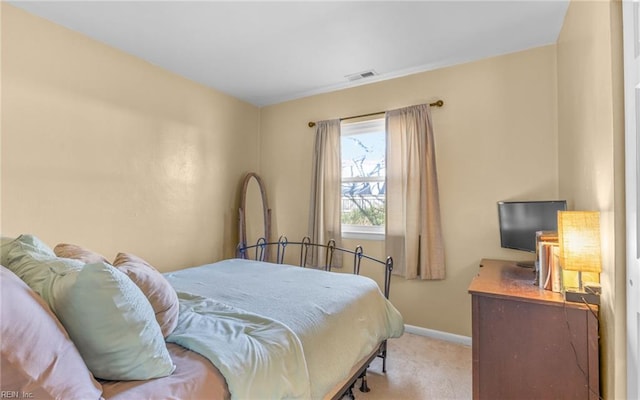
x: 363, y: 232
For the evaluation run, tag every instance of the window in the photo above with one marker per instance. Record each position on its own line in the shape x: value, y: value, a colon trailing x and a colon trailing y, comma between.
x: 363, y: 179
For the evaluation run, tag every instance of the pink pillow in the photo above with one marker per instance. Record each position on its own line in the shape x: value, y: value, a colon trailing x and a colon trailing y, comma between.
x: 161, y: 295
x: 75, y: 252
x: 38, y: 357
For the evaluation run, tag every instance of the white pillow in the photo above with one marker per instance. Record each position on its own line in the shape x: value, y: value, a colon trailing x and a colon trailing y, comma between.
x: 37, y: 357
x: 112, y: 324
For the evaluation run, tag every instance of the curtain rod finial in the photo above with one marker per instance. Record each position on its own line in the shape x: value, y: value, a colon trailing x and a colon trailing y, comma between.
x: 312, y: 124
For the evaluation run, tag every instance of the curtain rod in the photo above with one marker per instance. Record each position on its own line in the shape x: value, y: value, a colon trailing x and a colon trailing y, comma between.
x: 438, y: 103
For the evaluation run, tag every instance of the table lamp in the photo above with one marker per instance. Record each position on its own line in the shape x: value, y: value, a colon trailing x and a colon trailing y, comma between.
x: 579, y: 241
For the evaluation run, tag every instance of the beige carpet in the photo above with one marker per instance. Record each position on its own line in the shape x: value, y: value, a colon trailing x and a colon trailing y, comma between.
x: 420, y: 368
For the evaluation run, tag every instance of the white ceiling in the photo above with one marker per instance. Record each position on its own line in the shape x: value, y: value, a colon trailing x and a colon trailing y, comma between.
x: 266, y: 52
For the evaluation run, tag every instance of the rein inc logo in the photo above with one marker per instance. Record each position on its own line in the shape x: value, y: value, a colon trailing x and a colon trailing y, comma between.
x: 14, y: 394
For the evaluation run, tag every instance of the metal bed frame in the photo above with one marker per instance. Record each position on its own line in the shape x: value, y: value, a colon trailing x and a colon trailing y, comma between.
x: 260, y: 252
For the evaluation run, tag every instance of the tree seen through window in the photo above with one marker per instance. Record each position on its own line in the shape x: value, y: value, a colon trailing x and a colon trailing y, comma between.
x: 363, y: 175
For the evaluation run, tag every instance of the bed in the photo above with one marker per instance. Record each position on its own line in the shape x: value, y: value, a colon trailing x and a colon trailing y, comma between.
x: 246, y: 329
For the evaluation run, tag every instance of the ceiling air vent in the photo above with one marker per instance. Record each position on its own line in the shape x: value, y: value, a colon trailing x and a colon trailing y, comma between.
x: 360, y: 75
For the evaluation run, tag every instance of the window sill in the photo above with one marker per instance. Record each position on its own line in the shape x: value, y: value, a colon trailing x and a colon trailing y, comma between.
x: 378, y: 236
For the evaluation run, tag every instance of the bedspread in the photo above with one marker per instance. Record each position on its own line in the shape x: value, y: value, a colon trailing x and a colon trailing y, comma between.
x: 245, y: 347
x: 338, y: 318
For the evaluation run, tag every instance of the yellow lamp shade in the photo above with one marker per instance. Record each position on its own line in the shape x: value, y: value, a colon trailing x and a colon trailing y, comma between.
x: 579, y: 240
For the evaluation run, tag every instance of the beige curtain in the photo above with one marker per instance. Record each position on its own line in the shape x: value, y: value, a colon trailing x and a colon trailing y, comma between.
x: 325, y: 208
x: 413, y: 229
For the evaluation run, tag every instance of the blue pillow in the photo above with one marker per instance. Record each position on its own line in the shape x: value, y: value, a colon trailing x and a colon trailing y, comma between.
x: 4, y: 240
x: 113, y: 325
x: 36, y: 264
x: 104, y: 312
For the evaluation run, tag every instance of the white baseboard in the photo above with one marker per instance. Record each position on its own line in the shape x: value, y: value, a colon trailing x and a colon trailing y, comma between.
x: 446, y: 336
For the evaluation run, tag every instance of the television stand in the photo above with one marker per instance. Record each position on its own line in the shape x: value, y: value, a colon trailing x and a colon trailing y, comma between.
x: 527, y: 342
x: 526, y: 264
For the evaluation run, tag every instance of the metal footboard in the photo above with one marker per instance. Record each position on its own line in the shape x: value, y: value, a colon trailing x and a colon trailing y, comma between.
x: 259, y: 252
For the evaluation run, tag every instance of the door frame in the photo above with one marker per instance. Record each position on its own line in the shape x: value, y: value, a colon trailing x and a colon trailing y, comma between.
x: 631, y: 42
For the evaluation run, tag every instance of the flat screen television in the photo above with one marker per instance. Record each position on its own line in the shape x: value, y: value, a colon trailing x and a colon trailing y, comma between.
x: 520, y: 220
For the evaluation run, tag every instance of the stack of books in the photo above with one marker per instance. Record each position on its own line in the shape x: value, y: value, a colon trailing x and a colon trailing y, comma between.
x: 549, y: 273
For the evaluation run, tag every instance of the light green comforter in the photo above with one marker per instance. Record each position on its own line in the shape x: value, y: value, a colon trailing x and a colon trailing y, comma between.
x: 249, y: 350
x: 260, y: 311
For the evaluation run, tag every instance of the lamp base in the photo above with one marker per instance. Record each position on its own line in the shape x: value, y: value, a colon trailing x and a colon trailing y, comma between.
x: 581, y: 297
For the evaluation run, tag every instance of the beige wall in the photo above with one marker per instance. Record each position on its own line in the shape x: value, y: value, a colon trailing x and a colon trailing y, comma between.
x: 496, y: 139
x: 105, y: 150
x: 591, y: 157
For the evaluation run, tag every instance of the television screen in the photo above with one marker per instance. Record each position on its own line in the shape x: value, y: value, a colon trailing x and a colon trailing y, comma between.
x: 520, y: 220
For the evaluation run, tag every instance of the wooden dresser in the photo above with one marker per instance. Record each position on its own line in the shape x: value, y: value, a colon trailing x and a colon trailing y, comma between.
x: 529, y: 343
